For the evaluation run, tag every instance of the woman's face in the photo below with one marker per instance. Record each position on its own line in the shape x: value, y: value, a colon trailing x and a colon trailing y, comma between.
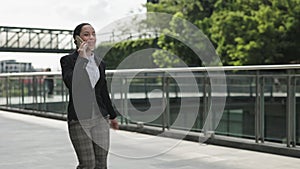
x: 89, y: 36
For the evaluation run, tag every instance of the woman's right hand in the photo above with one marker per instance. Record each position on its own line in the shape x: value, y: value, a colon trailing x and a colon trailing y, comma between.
x: 82, y: 50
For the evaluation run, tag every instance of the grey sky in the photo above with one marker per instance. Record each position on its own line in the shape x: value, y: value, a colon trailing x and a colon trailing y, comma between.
x: 61, y: 14
x: 65, y: 14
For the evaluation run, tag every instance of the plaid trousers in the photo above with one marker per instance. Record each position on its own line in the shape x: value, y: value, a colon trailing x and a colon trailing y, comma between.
x: 90, y: 139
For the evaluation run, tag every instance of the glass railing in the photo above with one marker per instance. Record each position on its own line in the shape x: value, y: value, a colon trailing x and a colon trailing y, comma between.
x: 30, y: 91
x: 261, y: 102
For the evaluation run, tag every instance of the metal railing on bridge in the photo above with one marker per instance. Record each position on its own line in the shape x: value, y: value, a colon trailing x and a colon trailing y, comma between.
x: 262, y: 102
x: 24, y: 39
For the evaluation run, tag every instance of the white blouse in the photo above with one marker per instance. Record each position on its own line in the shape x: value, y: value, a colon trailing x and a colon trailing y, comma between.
x: 92, y: 70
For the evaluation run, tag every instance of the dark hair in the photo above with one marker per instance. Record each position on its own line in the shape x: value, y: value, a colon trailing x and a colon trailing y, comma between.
x: 77, y: 31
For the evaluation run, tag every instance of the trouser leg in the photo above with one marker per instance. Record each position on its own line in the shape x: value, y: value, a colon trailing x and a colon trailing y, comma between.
x: 100, y: 135
x: 83, y: 145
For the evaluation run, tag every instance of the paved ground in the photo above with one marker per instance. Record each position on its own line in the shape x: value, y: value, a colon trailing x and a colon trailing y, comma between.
x: 30, y: 142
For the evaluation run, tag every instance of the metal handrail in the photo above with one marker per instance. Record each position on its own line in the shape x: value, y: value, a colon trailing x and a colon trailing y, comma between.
x: 173, y: 70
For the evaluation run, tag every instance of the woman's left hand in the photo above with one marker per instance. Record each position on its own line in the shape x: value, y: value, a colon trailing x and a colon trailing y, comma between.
x: 114, y: 124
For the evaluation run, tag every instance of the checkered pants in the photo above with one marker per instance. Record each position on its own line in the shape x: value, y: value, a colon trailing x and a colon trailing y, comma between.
x: 90, y: 139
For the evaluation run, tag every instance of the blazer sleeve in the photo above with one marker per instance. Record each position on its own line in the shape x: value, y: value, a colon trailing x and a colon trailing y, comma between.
x: 67, y: 70
x: 68, y: 66
x: 106, y: 98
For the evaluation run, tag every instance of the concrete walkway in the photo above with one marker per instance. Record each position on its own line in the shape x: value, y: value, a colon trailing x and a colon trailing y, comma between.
x: 30, y: 142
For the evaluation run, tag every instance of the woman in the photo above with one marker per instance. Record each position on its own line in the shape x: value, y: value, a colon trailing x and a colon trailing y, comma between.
x: 90, y: 109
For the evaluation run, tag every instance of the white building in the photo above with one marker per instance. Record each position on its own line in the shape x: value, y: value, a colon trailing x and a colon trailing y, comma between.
x: 11, y: 66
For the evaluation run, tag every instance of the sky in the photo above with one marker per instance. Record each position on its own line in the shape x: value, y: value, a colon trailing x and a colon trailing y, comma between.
x: 61, y: 14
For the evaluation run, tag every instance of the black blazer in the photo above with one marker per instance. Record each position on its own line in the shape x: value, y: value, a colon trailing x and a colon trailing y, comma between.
x: 82, y: 97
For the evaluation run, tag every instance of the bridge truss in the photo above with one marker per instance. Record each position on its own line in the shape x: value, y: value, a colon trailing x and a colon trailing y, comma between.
x: 22, y: 39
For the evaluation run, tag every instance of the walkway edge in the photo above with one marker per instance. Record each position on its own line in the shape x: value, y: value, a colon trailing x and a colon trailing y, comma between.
x: 240, y: 143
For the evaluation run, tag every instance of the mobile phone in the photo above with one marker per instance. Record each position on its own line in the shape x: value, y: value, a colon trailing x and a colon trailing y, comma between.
x: 78, y: 40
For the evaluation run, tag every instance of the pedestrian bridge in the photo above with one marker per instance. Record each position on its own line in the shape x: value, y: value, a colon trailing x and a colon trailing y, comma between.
x: 260, y: 113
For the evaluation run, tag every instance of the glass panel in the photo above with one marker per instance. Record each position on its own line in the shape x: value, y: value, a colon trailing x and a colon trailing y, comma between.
x: 239, y: 115
x: 275, y: 108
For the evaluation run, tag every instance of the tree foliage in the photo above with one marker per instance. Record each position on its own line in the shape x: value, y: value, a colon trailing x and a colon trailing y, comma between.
x: 242, y: 31
x: 116, y: 53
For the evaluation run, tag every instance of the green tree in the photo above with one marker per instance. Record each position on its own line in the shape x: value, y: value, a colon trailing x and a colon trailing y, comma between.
x: 256, y: 32
x: 116, y: 53
x: 243, y: 32
x: 193, y: 11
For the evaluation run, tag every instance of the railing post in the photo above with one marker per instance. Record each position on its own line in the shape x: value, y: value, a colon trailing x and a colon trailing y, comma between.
x: 262, y: 110
x: 45, y: 108
x: 259, y: 109
x: 167, y: 110
x: 250, y: 87
x: 166, y: 102
x: 291, y: 110
x: 7, y: 90
x: 22, y: 92
x: 62, y: 90
x: 146, y: 84
x: 163, y: 102
x: 34, y: 89
x: 122, y: 101
x: 205, y: 101
x: 206, y: 107
x: 210, y: 114
x: 200, y: 116
x: 125, y: 100
x: 39, y: 93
